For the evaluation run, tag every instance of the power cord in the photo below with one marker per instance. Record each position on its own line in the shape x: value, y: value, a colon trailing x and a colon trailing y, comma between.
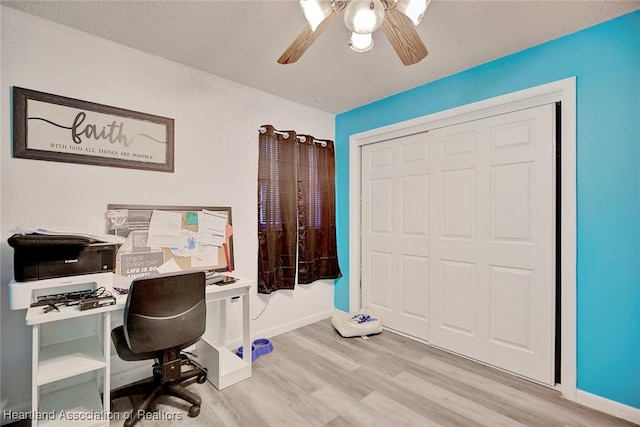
x: 54, y: 302
x: 99, y: 292
x: 263, y: 308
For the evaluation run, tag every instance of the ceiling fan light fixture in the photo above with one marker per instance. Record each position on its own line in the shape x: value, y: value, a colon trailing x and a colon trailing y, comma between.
x: 364, y: 16
x: 361, y: 42
x: 315, y: 11
x: 413, y: 9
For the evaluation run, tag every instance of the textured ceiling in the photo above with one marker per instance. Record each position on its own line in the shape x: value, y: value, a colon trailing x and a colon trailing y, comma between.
x: 241, y: 40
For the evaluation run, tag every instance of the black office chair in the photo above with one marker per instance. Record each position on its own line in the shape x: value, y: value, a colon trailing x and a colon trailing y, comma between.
x: 163, y: 315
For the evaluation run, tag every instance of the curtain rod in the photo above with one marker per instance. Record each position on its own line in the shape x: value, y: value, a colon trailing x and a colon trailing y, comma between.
x: 322, y: 142
x: 302, y: 138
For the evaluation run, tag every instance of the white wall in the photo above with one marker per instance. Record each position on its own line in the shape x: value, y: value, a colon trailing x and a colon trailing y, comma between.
x: 216, y: 153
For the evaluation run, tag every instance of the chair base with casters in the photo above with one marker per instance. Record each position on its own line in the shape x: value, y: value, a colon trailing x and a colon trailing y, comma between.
x: 167, y: 376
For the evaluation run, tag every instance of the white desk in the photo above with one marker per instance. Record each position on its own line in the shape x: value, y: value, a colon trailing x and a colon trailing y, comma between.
x: 72, y: 360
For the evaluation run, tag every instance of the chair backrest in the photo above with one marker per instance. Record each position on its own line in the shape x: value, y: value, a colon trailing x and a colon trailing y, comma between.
x: 165, y: 311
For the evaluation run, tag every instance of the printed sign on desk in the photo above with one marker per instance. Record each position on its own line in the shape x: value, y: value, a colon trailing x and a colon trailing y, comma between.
x: 141, y: 264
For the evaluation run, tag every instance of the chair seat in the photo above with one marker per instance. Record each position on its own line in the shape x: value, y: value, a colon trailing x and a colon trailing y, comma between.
x: 125, y: 353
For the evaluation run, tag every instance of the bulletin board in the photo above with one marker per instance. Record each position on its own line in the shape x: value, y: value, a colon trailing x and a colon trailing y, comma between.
x: 199, y: 245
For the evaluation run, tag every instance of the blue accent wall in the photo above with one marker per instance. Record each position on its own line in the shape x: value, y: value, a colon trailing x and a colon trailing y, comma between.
x: 606, y: 62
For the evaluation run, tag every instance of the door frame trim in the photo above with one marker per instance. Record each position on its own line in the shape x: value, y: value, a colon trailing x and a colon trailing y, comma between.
x: 563, y: 91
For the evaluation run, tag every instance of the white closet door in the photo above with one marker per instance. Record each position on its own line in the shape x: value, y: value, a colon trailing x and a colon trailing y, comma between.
x: 395, y: 233
x: 492, y: 274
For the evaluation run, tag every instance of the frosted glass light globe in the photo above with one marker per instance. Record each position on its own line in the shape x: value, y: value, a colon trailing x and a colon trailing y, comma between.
x: 364, y: 16
x: 361, y: 42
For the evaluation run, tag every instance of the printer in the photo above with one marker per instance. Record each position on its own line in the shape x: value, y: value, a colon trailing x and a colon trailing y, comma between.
x: 43, y: 256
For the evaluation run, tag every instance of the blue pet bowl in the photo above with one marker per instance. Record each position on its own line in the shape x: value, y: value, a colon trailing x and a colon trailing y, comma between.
x: 258, y: 348
x: 262, y: 346
x: 254, y: 354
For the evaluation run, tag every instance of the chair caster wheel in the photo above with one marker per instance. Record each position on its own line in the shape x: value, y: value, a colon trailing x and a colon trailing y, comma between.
x: 201, y: 379
x: 194, y: 411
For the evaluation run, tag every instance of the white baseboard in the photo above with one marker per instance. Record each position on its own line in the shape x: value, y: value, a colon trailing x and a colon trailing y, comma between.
x: 282, y: 328
x: 610, y: 407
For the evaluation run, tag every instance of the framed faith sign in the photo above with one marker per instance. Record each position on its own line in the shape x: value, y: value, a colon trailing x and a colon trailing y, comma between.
x: 56, y: 128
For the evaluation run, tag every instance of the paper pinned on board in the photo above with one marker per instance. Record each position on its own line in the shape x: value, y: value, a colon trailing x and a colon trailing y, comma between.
x: 211, y: 228
x: 164, y: 229
x: 170, y: 266
x: 204, y: 256
x: 187, y: 244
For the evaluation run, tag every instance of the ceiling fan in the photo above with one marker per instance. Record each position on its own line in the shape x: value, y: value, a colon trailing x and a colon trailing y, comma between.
x: 398, y: 19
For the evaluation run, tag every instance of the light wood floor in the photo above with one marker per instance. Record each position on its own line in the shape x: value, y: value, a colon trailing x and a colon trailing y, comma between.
x: 314, y: 377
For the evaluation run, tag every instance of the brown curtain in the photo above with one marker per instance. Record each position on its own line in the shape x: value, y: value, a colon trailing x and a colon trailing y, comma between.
x: 317, y: 248
x: 277, y: 213
x: 296, y: 210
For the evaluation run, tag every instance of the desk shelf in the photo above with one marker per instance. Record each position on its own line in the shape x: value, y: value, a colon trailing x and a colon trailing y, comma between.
x: 231, y: 369
x: 55, y: 365
x: 224, y: 367
x: 66, y: 359
x: 73, y: 406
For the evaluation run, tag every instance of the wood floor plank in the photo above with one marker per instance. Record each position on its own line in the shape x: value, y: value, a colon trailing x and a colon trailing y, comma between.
x: 231, y: 405
x: 456, y: 403
x: 392, y: 413
x: 316, y: 378
x: 478, y: 393
x: 343, y: 359
x: 327, y: 337
x: 264, y: 397
x: 428, y: 408
x: 347, y: 407
x: 465, y: 390
x: 339, y: 422
x: 298, y: 379
x: 549, y: 408
x: 298, y: 399
x: 318, y: 365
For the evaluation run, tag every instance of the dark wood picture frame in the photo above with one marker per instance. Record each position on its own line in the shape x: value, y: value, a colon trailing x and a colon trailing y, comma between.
x: 56, y: 128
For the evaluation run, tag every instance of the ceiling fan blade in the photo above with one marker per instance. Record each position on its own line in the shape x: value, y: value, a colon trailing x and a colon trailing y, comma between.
x: 304, y: 40
x: 403, y: 37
